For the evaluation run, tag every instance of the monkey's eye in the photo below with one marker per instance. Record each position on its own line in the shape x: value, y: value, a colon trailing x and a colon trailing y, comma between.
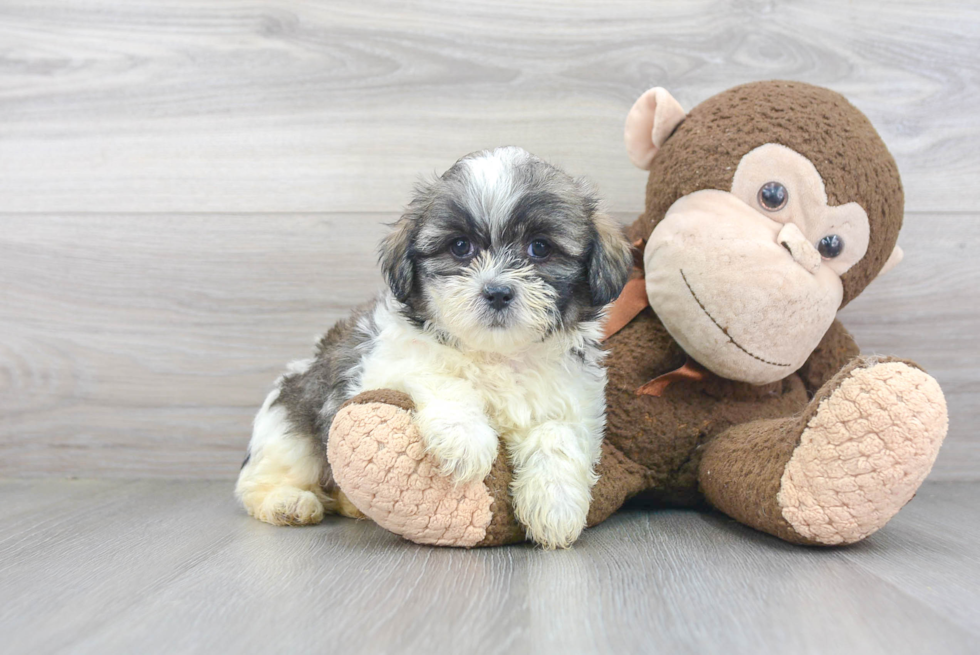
x: 461, y: 248
x: 830, y: 246
x: 773, y: 196
x: 539, y: 249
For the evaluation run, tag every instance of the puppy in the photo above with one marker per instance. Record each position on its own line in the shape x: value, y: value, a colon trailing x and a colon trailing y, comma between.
x: 498, y: 275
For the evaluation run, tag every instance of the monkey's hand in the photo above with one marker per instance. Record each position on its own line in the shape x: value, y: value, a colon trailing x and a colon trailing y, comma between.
x: 380, y: 464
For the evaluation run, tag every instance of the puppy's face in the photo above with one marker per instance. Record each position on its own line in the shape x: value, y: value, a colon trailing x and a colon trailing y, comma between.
x: 504, y: 250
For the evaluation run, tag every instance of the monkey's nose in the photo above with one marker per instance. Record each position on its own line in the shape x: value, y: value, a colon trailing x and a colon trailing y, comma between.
x: 498, y: 297
x: 803, y: 252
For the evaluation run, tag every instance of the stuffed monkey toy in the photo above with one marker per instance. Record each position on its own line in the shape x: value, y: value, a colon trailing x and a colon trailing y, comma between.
x: 769, y: 207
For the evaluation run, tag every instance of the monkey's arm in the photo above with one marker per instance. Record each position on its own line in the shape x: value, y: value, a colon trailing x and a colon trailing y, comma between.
x: 835, y: 350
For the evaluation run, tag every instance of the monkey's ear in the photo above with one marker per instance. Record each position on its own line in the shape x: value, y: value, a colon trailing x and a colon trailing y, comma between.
x: 651, y: 120
x: 396, y: 258
x: 610, y: 260
x: 893, y: 260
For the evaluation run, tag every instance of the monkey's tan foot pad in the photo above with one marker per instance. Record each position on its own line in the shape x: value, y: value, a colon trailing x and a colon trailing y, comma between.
x: 864, y: 453
x: 377, y: 459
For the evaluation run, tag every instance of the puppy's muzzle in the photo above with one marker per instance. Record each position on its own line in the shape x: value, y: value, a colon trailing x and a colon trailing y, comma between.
x: 498, y: 297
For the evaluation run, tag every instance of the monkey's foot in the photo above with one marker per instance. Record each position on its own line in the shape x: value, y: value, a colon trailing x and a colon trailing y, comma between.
x: 864, y: 452
x: 377, y: 458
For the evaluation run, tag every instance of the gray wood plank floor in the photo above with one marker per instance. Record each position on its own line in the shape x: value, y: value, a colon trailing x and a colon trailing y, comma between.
x: 175, y: 567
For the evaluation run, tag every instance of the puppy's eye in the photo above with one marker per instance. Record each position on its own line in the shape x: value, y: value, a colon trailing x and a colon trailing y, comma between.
x: 830, y: 246
x: 461, y: 248
x: 539, y: 249
x: 773, y: 196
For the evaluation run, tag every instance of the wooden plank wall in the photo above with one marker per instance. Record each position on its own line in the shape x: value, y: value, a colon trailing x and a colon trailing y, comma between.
x: 191, y: 190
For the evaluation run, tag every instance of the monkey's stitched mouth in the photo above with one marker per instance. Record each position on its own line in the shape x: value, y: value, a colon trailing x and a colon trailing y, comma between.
x: 724, y: 330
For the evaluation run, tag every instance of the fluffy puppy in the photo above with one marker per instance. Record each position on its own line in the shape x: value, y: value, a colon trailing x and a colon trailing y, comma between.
x: 498, y: 275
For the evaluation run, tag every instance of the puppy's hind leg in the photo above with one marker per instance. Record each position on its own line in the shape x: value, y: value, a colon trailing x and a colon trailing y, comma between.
x: 281, y: 480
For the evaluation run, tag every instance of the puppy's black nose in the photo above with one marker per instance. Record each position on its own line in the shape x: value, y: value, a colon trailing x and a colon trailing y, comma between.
x: 498, y: 297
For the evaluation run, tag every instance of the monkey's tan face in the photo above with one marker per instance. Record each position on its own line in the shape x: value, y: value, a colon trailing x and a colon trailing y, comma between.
x: 748, y: 281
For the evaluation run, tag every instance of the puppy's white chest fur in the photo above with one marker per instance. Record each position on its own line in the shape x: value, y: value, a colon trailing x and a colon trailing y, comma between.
x: 556, y: 380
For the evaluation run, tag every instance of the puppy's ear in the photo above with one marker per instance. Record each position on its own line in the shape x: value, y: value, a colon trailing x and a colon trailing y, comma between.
x: 610, y: 260
x: 396, y: 256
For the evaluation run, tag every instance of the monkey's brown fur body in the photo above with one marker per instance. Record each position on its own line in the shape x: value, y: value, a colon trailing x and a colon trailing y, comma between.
x: 825, y: 455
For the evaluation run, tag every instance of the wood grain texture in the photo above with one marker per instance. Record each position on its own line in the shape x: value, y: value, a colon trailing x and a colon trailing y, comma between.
x: 143, y: 345
x: 168, y: 566
x: 292, y: 106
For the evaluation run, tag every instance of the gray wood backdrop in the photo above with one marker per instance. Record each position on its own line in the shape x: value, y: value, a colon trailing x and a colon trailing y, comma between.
x: 190, y: 191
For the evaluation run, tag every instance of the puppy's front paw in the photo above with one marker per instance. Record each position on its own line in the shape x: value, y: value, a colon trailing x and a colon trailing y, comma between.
x: 459, y: 438
x: 554, y: 472
x: 554, y: 512
x: 553, y: 519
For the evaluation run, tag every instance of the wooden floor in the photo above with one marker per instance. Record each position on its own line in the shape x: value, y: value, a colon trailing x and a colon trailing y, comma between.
x: 145, y: 567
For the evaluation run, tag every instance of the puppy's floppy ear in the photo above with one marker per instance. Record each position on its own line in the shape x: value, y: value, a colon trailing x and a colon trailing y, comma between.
x: 610, y: 260
x: 395, y: 256
x: 397, y: 252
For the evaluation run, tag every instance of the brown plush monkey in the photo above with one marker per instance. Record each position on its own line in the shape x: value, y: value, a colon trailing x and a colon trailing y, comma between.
x: 731, y: 384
